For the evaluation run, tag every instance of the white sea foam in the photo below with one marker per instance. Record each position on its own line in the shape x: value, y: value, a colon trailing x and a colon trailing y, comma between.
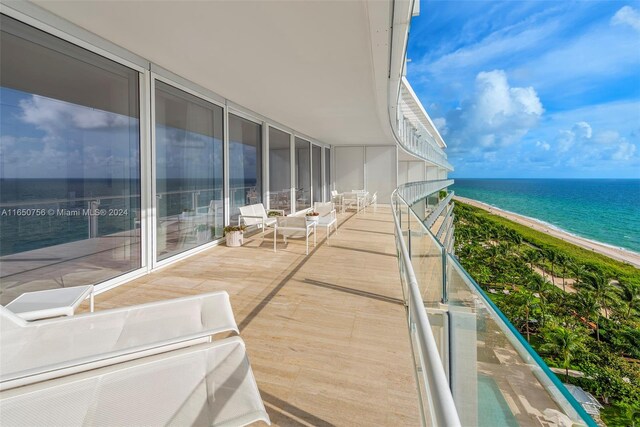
x: 555, y: 227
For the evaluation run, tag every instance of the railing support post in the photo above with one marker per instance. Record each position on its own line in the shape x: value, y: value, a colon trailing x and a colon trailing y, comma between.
x: 445, y: 296
x: 409, y: 231
x: 93, y: 218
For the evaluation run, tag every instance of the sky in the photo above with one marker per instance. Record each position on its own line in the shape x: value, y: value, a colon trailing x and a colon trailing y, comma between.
x: 531, y: 89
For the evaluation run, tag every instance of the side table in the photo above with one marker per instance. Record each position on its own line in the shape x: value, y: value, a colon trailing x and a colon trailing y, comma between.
x: 51, y: 302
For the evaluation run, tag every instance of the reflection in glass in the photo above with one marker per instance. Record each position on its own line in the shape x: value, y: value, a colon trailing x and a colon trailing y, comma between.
x: 303, y: 175
x: 189, y: 200
x: 316, y: 153
x: 245, y: 164
x: 279, y: 170
x: 327, y: 174
x: 69, y: 164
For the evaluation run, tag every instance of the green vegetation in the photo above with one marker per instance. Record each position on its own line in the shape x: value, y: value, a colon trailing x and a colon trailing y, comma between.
x: 578, y: 309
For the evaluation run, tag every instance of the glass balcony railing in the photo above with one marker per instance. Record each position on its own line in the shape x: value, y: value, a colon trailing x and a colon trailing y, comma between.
x: 491, y: 375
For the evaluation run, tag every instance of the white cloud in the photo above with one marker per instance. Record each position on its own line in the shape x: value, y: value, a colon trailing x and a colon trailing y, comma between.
x: 69, y: 140
x: 441, y: 124
x: 627, y: 16
x: 624, y: 152
x: 543, y: 145
x: 582, y: 147
x: 54, y: 116
x: 496, y: 115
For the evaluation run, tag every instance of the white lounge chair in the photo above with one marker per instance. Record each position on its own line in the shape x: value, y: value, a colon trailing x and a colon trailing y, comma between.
x: 336, y: 197
x: 294, y: 227
x: 371, y: 200
x: 206, y: 385
x: 45, y: 349
x: 256, y: 215
x: 328, y: 217
x: 350, y: 201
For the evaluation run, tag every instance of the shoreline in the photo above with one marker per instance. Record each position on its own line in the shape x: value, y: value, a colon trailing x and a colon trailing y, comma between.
x: 618, y: 254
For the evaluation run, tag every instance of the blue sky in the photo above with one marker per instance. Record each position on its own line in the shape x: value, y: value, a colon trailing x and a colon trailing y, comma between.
x: 546, y: 89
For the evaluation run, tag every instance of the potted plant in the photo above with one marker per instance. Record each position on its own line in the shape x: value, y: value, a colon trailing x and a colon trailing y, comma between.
x: 203, y: 233
x: 313, y: 216
x: 234, y: 234
x: 274, y: 213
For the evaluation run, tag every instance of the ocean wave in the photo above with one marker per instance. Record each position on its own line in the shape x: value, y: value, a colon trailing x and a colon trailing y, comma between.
x: 556, y: 228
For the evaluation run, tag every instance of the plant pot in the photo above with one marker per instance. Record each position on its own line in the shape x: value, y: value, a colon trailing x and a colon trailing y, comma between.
x: 234, y: 238
x: 313, y: 218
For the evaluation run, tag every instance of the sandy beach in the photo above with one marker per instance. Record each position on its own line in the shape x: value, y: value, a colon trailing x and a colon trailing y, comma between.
x: 618, y: 254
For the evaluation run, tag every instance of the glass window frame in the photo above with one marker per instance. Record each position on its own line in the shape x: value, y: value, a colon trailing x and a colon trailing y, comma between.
x: 153, y: 205
x: 75, y: 37
x: 296, y: 167
x: 269, y: 161
x: 260, y: 164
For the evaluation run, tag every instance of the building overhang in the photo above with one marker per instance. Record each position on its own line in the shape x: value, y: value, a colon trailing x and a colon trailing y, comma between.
x: 320, y: 67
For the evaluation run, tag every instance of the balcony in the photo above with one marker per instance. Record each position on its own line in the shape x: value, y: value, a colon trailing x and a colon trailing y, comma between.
x: 326, y: 333
x: 474, y: 367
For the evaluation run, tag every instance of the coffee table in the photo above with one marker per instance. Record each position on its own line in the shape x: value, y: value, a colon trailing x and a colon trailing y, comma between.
x: 50, y: 303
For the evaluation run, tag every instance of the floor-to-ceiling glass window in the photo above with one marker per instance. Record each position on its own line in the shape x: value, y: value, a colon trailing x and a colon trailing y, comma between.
x: 245, y: 164
x: 279, y: 170
x: 327, y: 174
x: 189, y: 174
x: 316, y: 157
x: 69, y: 164
x: 303, y: 174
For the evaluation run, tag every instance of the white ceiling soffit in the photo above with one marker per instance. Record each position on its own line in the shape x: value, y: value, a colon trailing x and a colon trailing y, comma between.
x: 320, y: 67
x: 416, y: 112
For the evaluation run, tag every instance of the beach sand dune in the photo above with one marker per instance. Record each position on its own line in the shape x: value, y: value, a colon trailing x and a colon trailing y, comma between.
x: 615, y: 253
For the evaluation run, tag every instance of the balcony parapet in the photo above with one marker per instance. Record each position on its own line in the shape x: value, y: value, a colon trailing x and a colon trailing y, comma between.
x: 437, y: 211
x: 417, y: 140
x: 415, y: 191
x: 477, y: 349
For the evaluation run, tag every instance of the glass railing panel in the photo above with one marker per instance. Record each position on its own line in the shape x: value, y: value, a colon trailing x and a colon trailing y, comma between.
x: 436, y: 402
x: 426, y: 257
x: 496, y: 378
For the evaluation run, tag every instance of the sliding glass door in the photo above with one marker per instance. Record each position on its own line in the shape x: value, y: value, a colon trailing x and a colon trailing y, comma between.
x: 189, y: 172
x: 303, y: 174
x: 245, y: 164
x: 279, y: 170
x: 327, y: 174
x: 69, y: 164
x: 316, y: 157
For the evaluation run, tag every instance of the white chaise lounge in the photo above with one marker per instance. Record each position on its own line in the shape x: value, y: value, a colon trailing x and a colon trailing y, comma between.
x: 205, y: 385
x: 45, y: 349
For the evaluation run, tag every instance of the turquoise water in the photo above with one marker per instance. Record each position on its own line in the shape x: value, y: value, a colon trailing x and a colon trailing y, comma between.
x: 604, y: 210
x: 493, y: 409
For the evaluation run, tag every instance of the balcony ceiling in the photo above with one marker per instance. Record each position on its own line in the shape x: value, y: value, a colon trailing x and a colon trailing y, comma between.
x: 319, y: 67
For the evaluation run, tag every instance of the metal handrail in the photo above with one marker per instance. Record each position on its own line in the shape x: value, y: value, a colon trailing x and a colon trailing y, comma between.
x: 444, y: 408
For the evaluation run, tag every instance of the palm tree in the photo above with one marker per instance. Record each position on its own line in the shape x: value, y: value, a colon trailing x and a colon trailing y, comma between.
x: 527, y: 303
x: 552, y: 256
x: 580, y: 271
x: 531, y: 256
x: 562, y: 261
x: 540, y: 286
x: 630, y: 295
x: 599, y: 283
x: 589, y: 307
x: 565, y: 344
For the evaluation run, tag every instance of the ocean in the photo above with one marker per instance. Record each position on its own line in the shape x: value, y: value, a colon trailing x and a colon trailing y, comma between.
x: 604, y: 210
